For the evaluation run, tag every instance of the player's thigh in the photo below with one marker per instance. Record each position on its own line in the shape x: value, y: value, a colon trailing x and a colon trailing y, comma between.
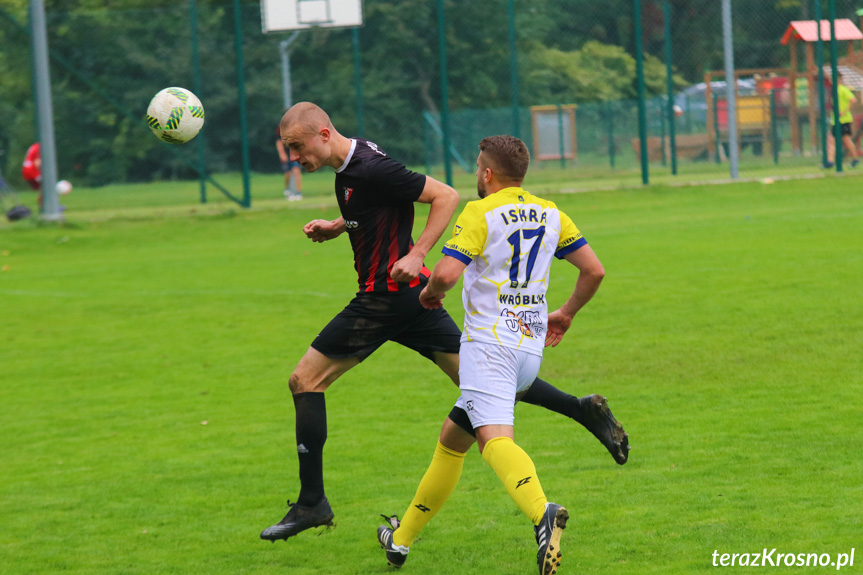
x: 448, y: 362
x: 431, y: 333
x: 365, y: 324
x: 315, y: 371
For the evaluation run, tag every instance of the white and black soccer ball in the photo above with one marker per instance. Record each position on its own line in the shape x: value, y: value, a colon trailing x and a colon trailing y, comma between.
x: 175, y: 115
x: 64, y: 187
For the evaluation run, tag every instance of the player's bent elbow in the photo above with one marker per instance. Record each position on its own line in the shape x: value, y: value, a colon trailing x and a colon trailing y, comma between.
x: 598, y: 272
x: 453, y: 194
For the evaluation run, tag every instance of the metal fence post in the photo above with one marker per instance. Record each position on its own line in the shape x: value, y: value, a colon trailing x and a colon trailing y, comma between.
x: 773, y: 127
x: 444, y: 89
x: 716, y: 126
x: 241, y: 102
x: 837, y: 127
x: 560, y: 136
x: 672, y: 144
x: 358, y: 81
x: 513, y: 70
x: 822, y: 104
x: 639, y: 72
x: 610, y: 114
x: 198, y: 89
x: 730, y: 87
x: 44, y: 105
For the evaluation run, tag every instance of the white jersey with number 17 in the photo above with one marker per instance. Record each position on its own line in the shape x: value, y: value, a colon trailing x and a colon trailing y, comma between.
x: 508, y: 239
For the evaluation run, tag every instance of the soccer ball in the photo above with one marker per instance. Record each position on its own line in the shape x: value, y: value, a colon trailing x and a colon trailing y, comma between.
x: 64, y: 187
x: 175, y: 115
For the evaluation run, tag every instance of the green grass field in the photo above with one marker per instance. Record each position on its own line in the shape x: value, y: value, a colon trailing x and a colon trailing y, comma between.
x: 147, y: 425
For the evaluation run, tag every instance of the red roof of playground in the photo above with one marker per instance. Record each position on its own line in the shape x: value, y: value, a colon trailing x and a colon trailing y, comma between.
x: 807, y: 30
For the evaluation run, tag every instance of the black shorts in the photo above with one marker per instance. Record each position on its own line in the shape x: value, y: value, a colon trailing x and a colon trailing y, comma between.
x: 370, y: 320
x: 846, y: 129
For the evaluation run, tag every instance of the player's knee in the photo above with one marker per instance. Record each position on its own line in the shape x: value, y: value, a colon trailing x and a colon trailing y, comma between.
x: 296, y: 384
x: 306, y: 383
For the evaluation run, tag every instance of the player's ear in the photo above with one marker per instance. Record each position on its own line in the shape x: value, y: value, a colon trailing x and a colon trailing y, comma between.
x: 324, y: 133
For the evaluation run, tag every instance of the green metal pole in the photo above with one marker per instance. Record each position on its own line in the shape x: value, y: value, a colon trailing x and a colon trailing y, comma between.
x: 358, y: 81
x: 427, y: 146
x: 444, y: 89
x: 837, y: 127
x: 669, y: 74
x: 773, y: 127
x: 513, y: 70
x: 241, y: 101
x: 689, y: 122
x: 639, y: 71
x: 560, y: 137
x: 32, y: 70
x: 610, y: 113
x: 662, y: 132
x: 198, y: 89
x: 822, y: 100
x: 716, y: 125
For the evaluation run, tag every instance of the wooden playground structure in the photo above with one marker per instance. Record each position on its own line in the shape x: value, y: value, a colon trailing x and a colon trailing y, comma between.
x: 799, y: 89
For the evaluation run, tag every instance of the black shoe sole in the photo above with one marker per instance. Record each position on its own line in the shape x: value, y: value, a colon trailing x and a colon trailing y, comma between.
x: 603, y: 425
x: 285, y: 536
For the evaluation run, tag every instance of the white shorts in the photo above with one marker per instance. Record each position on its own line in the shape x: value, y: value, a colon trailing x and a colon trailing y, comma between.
x: 490, y: 377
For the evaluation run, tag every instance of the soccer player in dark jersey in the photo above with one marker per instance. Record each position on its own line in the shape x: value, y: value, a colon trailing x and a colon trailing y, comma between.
x: 376, y: 196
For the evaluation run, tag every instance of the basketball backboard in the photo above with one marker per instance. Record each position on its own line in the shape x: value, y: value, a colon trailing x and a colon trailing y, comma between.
x: 282, y: 15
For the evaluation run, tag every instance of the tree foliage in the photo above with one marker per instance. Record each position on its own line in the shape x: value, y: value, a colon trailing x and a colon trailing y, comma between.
x: 111, y: 56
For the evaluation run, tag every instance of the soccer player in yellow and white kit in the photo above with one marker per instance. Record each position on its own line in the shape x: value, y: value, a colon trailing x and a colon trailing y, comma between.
x: 504, y: 243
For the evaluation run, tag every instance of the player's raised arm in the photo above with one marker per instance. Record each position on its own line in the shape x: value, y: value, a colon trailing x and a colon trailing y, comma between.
x: 323, y: 230
x: 590, y: 274
x: 444, y: 201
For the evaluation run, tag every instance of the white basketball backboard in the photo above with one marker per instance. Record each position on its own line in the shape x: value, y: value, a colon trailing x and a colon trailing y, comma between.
x: 281, y: 15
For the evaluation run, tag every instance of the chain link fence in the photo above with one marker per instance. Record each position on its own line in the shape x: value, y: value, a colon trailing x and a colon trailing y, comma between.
x: 568, y: 89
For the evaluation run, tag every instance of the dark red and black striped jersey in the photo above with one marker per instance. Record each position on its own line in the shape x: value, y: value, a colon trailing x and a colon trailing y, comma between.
x: 376, y: 196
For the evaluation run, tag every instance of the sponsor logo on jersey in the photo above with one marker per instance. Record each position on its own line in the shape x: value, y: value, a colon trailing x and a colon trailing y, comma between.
x: 457, y: 230
x: 527, y: 322
x: 348, y: 192
x: 351, y: 224
x: 375, y: 148
x: 518, y: 299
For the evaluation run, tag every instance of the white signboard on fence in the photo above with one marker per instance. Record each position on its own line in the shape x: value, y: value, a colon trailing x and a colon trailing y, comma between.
x: 282, y: 15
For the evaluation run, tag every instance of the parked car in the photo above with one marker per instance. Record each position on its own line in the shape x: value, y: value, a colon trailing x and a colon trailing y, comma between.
x: 692, y: 100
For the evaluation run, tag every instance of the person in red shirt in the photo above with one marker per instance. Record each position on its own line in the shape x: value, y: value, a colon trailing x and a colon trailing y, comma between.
x: 31, y: 171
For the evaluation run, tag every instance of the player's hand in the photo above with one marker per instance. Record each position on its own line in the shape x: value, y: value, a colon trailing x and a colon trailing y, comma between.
x: 431, y: 300
x: 558, y: 324
x: 407, y: 269
x: 321, y: 230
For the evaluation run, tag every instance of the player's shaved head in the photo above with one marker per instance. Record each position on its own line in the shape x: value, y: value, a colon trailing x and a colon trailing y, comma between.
x: 310, y: 117
x: 507, y: 156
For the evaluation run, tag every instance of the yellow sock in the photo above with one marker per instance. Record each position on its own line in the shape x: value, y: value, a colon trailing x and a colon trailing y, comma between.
x: 518, y: 474
x: 434, y: 490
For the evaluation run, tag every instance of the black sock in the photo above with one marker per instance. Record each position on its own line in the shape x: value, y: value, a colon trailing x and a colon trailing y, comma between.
x: 545, y: 395
x: 311, y: 436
